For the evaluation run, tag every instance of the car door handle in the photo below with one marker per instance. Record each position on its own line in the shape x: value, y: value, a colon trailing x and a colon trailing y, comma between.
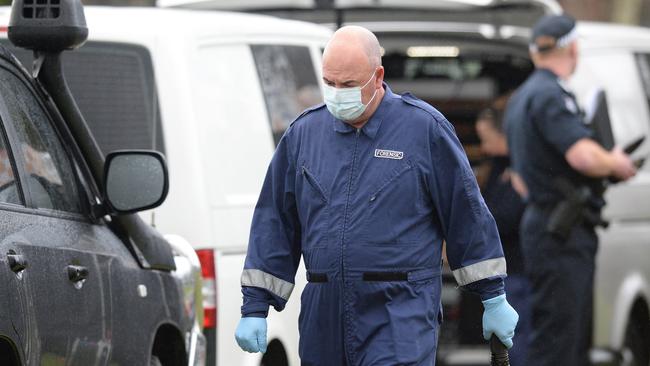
x: 16, y: 262
x: 77, y: 273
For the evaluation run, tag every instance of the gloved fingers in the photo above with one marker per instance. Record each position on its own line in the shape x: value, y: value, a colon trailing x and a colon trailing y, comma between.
x: 245, y: 344
x: 506, y: 342
x: 261, y: 341
x: 251, y: 334
x: 487, y: 334
x: 516, y: 319
x: 247, y: 340
x: 507, y: 339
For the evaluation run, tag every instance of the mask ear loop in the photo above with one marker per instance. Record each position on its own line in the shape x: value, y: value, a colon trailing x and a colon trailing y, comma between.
x: 370, y: 101
x: 371, y: 77
x: 366, y: 84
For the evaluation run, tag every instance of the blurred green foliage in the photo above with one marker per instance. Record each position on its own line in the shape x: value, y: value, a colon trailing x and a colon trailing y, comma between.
x: 5, y: 2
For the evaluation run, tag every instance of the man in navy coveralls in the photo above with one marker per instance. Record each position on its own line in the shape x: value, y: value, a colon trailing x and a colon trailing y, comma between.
x: 365, y: 188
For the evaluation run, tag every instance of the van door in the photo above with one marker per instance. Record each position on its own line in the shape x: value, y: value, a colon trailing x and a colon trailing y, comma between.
x: 244, y: 97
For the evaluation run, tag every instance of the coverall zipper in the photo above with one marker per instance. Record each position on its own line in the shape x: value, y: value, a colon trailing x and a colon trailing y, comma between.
x: 344, y: 228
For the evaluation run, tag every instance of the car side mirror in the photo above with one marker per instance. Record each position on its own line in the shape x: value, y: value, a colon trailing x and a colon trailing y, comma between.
x: 135, y: 180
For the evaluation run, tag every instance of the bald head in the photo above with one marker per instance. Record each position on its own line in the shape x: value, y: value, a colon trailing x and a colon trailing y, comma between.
x: 354, y: 42
x: 352, y: 58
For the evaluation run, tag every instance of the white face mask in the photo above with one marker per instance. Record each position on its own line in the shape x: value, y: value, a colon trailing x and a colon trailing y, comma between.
x: 345, y: 103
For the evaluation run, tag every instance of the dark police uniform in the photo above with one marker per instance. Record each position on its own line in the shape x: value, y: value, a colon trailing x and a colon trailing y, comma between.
x: 368, y: 210
x: 543, y: 121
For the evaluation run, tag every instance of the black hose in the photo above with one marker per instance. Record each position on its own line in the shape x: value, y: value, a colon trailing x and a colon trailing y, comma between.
x: 499, y: 352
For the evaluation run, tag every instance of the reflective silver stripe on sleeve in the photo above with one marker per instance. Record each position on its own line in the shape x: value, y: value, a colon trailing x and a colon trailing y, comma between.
x: 257, y: 278
x: 481, y: 270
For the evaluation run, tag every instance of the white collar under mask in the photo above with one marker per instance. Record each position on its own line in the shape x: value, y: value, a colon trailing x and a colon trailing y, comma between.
x: 345, y: 103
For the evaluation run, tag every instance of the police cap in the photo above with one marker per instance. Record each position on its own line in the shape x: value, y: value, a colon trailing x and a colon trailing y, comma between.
x: 553, y: 31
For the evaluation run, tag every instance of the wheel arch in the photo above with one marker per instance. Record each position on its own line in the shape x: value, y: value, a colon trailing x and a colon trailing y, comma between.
x: 633, y: 290
x: 9, y: 353
x: 169, y: 346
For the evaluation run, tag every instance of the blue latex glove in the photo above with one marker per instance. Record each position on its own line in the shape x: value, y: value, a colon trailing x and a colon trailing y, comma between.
x: 499, y: 318
x: 251, y: 334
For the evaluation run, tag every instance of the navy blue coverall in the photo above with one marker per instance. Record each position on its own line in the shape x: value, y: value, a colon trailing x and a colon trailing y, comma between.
x: 542, y: 122
x: 368, y: 210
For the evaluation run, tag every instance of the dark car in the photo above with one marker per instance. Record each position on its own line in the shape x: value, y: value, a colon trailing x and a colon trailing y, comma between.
x: 84, y: 280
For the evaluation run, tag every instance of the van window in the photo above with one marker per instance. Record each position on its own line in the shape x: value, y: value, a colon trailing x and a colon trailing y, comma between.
x: 114, y: 86
x: 643, y: 60
x: 288, y: 81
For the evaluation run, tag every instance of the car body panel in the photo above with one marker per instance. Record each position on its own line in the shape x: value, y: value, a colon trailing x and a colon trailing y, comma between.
x: 104, y: 317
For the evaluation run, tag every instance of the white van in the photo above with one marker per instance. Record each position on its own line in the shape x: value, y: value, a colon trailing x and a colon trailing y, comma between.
x: 214, y: 92
x: 460, y: 55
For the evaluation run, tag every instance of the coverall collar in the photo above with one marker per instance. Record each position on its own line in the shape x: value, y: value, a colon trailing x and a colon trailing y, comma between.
x: 371, y: 128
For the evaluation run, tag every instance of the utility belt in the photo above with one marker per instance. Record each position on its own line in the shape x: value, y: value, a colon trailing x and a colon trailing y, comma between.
x: 378, y: 276
x: 579, y: 207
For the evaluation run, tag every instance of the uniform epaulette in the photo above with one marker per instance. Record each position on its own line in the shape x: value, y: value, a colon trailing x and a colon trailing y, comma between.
x: 409, y: 98
x: 307, y: 111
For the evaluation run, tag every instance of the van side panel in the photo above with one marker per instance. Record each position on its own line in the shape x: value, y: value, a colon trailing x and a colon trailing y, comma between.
x: 236, y: 145
x: 622, y: 269
x: 235, y: 141
x: 185, y: 212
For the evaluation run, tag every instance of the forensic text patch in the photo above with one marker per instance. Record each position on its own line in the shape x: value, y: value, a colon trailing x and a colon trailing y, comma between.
x: 389, y: 154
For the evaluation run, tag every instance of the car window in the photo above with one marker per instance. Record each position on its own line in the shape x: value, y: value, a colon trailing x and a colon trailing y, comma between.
x: 9, y: 192
x: 288, y: 81
x: 114, y: 86
x: 50, y: 179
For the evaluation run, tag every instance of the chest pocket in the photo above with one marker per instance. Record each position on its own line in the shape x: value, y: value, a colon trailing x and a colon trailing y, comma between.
x: 393, y: 208
x: 313, y: 209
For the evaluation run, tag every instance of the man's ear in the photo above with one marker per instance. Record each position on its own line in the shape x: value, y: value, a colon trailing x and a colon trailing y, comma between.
x: 380, y: 76
x: 573, y: 48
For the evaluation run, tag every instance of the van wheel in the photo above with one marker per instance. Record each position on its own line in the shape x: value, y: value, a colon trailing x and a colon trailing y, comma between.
x: 275, y: 355
x: 154, y: 361
x: 637, y: 336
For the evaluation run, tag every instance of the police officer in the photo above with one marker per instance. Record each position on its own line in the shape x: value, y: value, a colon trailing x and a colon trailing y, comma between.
x: 553, y: 152
x: 366, y: 188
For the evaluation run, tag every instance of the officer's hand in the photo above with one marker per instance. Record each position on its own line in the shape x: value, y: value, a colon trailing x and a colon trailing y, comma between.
x: 251, y: 334
x: 624, y: 168
x: 499, y: 318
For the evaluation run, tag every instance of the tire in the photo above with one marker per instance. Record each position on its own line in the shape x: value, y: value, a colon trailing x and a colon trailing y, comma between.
x: 154, y: 361
x: 637, y: 341
x: 275, y: 355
